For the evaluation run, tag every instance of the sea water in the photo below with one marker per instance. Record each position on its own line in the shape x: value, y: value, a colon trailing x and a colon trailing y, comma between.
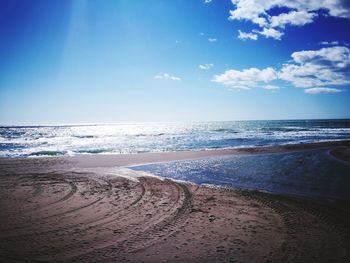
x: 120, y: 138
x: 315, y: 173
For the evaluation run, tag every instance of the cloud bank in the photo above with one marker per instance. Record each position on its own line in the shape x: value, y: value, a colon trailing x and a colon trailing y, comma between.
x: 245, y: 79
x: 313, y: 70
x: 317, y: 68
x: 297, y: 13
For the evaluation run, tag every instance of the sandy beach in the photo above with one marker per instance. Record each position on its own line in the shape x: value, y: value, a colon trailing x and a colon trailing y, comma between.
x: 174, y: 131
x: 92, y: 208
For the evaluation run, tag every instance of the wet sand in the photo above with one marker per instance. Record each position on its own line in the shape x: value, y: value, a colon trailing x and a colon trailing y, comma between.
x: 78, y: 209
x: 111, y: 160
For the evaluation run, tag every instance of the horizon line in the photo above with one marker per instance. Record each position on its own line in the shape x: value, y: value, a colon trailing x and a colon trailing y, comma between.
x: 149, y: 122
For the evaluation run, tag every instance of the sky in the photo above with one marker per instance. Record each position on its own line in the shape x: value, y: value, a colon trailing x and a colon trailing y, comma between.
x: 69, y: 62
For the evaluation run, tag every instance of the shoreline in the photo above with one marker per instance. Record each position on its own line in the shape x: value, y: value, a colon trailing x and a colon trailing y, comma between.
x: 110, y: 160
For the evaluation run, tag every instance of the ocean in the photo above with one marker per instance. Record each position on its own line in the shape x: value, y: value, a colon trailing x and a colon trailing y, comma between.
x: 120, y: 138
x: 313, y: 173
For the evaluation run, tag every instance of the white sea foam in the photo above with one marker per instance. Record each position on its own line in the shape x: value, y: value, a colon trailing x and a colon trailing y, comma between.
x: 123, y: 172
x: 160, y: 137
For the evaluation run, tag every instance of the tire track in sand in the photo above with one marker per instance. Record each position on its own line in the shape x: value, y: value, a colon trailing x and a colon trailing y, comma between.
x: 319, y: 227
x: 156, y: 231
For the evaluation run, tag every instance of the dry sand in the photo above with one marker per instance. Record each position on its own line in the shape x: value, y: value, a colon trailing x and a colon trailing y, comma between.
x: 74, y: 210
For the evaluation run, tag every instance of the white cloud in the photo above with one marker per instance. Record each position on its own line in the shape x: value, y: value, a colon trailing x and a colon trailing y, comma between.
x: 336, y: 55
x: 249, y: 10
x: 298, y: 13
x: 270, y: 87
x: 270, y: 33
x: 324, y: 67
x: 207, y: 1
x: 295, y: 18
x: 313, y: 70
x: 212, y: 39
x: 206, y: 66
x: 332, y: 43
x: 245, y: 79
x: 166, y: 76
x: 244, y: 35
x: 321, y: 90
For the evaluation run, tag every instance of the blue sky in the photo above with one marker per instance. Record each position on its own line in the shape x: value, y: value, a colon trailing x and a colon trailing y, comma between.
x: 173, y: 60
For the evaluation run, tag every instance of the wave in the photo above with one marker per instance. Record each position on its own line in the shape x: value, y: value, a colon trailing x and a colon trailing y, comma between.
x: 158, y: 137
x: 145, y: 135
x: 84, y: 136
x: 225, y: 130
x: 48, y: 153
x: 94, y: 151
